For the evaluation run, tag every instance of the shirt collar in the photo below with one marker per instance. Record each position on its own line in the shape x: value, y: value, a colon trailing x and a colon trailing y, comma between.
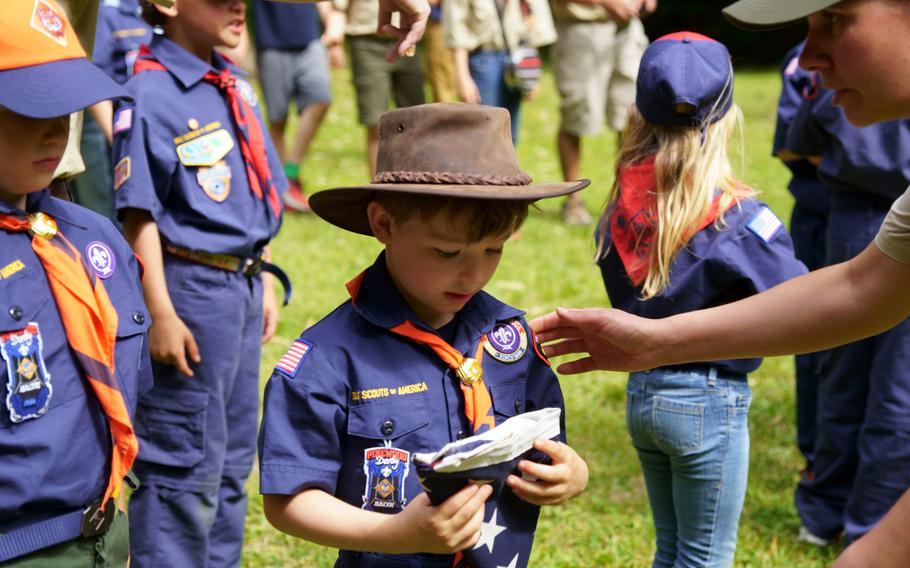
x: 186, y: 67
x: 379, y: 302
x: 41, y: 201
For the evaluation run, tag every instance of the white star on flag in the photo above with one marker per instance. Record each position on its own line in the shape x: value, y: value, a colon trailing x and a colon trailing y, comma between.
x: 489, y: 532
x: 512, y: 564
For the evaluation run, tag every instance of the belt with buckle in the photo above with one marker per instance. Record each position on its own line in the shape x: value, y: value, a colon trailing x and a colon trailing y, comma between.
x: 92, y: 521
x: 246, y: 265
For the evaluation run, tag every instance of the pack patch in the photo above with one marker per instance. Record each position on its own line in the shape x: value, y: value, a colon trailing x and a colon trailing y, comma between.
x: 47, y: 20
x: 121, y: 172
x: 123, y: 121
x: 29, y: 384
x: 11, y: 268
x: 765, y: 224
x: 386, y: 469
x: 215, y: 181
x: 101, y: 258
x: 206, y: 150
x: 507, y: 342
x: 293, y: 357
x: 247, y: 92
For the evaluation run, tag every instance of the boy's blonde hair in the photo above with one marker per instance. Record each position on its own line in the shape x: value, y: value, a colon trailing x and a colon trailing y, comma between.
x: 690, y: 165
x: 475, y: 218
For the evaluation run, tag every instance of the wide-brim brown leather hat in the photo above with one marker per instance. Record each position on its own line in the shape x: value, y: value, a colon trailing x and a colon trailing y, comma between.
x: 457, y: 150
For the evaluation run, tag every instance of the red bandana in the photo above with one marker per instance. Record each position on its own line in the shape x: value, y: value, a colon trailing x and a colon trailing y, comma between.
x: 633, y: 219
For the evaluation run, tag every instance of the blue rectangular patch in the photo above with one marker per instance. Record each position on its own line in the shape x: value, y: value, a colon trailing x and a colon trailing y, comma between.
x: 765, y: 224
x: 293, y: 357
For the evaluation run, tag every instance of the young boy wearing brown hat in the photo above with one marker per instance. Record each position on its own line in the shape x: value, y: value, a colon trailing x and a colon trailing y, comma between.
x: 388, y: 373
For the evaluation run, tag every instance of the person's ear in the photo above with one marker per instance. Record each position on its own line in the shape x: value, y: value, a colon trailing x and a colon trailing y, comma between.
x: 170, y: 12
x: 381, y: 223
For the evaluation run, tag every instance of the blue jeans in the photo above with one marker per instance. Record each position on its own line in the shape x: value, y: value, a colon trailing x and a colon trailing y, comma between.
x: 691, y: 430
x: 486, y: 69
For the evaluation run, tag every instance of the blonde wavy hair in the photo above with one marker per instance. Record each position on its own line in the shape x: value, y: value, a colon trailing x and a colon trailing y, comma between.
x: 691, y: 163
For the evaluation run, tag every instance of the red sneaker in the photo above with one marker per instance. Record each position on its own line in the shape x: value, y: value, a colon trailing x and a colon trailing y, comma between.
x: 294, y: 199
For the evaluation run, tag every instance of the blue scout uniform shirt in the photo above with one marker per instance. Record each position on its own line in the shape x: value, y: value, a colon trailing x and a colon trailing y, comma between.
x: 60, y: 461
x: 750, y: 254
x: 351, y: 398
x: 873, y: 160
x: 178, y: 157
x: 798, y: 84
x: 118, y: 35
x: 279, y: 25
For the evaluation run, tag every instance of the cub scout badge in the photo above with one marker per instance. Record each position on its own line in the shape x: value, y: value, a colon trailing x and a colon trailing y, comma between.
x: 206, y: 150
x: 765, y: 224
x: 29, y: 384
x: 101, y: 258
x: 215, y: 181
x: 386, y: 469
x: 47, y: 20
x: 508, y: 342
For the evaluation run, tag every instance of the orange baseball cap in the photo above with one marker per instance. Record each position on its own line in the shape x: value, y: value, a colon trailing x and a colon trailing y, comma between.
x: 44, y: 71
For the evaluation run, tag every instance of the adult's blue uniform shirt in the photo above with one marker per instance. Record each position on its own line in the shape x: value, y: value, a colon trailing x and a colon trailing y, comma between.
x: 59, y: 461
x: 178, y: 157
x: 119, y: 33
x: 350, y: 392
x: 798, y: 85
x: 717, y: 266
x: 873, y: 160
x: 283, y: 25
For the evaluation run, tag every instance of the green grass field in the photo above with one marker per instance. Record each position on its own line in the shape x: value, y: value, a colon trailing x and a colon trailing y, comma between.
x: 550, y: 265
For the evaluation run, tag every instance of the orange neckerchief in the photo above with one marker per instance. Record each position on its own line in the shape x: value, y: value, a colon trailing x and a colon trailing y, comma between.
x: 633, y: 218
x: 246, y: 124
x: 478, y: 406
x: 90, y: 323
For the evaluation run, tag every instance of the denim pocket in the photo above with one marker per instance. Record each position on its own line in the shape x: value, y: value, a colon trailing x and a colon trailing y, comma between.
x: 678, y: 426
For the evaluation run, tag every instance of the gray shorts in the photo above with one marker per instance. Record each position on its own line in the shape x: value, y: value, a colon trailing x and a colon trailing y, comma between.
x: 596, y: 65
x: 303, y: 74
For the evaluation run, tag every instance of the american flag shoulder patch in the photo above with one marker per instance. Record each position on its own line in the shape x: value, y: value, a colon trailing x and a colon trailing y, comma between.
x: 765, y: 224
x: 123, y: 120
x: 293, y: 357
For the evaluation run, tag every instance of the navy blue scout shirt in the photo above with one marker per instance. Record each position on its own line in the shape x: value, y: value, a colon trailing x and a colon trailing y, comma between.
x: 798, y: 84
x: 178, y: 157
x: 60, y: 461
x: 352, y: 398
x: 118, y: 35
x: 749, y: 255
x: 874, y: 160
x: 281, y: 25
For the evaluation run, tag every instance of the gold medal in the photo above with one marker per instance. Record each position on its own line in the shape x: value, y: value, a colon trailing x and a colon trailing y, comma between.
x: 42, y: 224
x: 470, y: 371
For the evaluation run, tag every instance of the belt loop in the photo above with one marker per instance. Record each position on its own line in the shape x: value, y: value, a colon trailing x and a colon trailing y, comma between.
x: 712, y: 376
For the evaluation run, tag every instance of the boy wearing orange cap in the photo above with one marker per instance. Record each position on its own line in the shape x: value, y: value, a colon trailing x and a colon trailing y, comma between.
x: 73, y: 353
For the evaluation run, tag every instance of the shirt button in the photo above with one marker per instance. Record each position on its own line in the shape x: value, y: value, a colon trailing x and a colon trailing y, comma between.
x: 518, y: 406
x: 15, y: 312
x: 387, y: 427
x: 460, y: 435
x: 138, y: 318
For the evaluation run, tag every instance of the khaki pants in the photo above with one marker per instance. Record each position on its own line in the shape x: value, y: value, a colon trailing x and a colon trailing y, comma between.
x: 440, y: 65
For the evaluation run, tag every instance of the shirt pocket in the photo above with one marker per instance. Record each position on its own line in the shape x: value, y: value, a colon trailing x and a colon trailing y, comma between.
x: 401, y: 422
x: 170, y: 423
x: 509, y: 399
x: 132, y: 356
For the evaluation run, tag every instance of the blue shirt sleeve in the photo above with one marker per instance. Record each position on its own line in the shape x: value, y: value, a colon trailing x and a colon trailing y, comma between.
x: 303, y: 425
x: 807, y: 135
x: 144, y: 164
x: 543, y: 389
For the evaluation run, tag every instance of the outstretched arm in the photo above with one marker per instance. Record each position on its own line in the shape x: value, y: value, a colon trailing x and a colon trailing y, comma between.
x: 825, y: 308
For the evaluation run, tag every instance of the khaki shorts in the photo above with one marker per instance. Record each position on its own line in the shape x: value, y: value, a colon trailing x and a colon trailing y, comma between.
x: 596, y: 66
x: 375, y: 79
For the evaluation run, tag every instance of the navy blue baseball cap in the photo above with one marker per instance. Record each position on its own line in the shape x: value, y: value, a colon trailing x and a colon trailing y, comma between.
x: 44, y: 72
x: 685, y: 79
